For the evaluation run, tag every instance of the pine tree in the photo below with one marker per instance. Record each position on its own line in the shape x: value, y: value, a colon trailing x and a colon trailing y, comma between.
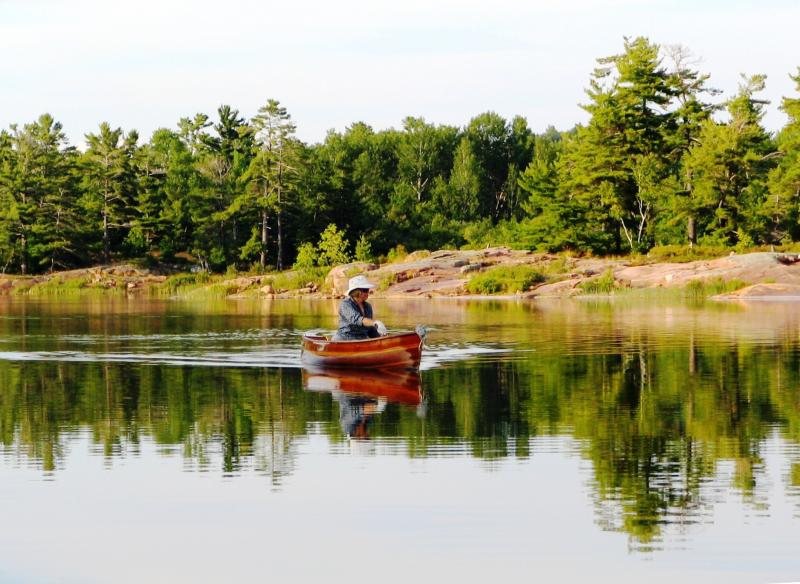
x: 38, y: 193
x: 783, y: 205
x: 270, y: 175
x: 109, y: 184
x: 223, y: 160
x: 726, y: 170
x: 630, y: 120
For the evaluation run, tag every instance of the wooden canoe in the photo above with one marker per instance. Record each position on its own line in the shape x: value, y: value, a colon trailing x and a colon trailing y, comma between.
x: 398, y: 350
x: 395, y: 385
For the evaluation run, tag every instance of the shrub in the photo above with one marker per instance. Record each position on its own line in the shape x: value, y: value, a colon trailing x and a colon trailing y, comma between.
x: 178, y: 282
x: 80, y: 286
x: 307, y: 256
x: 332, y: 247
x: 602, y: 284
x: 60, y: 287
x: 560, y: 265
x: 683, y: 253
x: 397, y: 254
x: 712, y: 287
x: 386, y: 279
x: 297, y: 279
x: 505, y: 279
x: 363, y: 249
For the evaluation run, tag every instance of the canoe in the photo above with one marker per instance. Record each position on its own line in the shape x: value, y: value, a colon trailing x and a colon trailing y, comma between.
x: 397, y: 350
x: 401, y: 386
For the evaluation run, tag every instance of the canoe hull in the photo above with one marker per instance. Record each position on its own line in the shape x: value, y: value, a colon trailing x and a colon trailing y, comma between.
x: 401, y: 350
x: 395, y: 385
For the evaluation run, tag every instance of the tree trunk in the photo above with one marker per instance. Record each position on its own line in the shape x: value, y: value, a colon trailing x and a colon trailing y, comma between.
x: 691, y: 231
x: 263, y: 238
x: 23, y: 266
x: 106, y: 242
x: 279, y: 261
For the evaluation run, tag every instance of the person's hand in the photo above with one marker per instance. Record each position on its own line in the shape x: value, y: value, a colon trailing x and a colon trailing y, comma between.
x: 381, y: 328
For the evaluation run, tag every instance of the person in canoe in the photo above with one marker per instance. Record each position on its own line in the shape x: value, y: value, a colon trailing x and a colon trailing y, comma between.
x: 355, y: 313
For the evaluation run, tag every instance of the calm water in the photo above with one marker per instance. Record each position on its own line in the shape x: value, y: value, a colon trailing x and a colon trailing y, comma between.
x: 156, y: 441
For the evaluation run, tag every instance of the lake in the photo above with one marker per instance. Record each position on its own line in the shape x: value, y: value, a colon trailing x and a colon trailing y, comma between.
x: 575, y: 440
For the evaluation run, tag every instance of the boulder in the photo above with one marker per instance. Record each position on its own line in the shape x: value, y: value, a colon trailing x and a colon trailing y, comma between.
x: 339, y: 276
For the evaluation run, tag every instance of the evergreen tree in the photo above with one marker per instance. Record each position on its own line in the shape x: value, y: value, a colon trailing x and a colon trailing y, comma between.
x: 783, y: 206
x: 38, y: 191
x: 726, y: 171
x: 109, y: 183
x: 690, y: 87
x: 224, y: 158
x: 270, y: 176
x: 167, y: 177
x: 629, y: 96
x: 549, y: 218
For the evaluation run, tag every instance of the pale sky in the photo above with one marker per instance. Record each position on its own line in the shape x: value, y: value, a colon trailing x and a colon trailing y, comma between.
x: 143, y: 64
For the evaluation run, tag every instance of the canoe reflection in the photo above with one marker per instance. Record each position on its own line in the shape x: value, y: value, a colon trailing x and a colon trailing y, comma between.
x: 364, y: 393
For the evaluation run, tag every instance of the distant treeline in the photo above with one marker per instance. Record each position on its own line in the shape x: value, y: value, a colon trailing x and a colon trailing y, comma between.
x: 653, y: 166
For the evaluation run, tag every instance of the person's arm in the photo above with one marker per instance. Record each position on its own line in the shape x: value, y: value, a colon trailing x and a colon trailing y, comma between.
x: 351, y: 315
x: 368, y: 320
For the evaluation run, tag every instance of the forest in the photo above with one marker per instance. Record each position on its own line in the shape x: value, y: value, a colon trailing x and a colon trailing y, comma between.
x: 664, y: 159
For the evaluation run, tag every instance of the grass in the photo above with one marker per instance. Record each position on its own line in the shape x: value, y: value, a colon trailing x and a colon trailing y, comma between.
x: 679, y: 254
x: 386, y: 279
x: 220, y: 286
x: 80, y: 286
x: 181, y: 283
x: 505, y: 280
x: 558, y: 266
x: 712, y: 287
x: 296, y: 279
x: 602, y: 284
x: 396, y: 254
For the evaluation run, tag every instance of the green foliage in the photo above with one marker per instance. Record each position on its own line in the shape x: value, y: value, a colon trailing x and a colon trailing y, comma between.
x: 178, y: 282
x: 558, y: 266
x: 651, y: 168
x: 505, y: 279
x: 363, y: 249
x: 703, y: 288
x: 386, y: 279
x: 781, y: 206
x: 605, y: 283
x: 75, y: 286
x: 728, y: 167
x: 58, y: 287
x: 397, y: 254
x: 683, y: 253
x: 299, y: 278
x: 307, y: 256
x: 332, y: 247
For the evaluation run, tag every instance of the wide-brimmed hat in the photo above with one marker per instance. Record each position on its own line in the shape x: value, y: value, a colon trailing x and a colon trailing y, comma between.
x: 358, y: 282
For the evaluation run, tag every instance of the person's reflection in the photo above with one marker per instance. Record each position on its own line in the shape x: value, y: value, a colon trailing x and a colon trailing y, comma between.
x: 356, y: 413
x: 363, y: 394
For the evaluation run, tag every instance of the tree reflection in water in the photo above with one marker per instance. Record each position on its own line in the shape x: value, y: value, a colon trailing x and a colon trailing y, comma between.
x: 657, y: 424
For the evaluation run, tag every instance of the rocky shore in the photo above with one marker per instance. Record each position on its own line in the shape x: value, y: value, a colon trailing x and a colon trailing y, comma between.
x: 447, y: 272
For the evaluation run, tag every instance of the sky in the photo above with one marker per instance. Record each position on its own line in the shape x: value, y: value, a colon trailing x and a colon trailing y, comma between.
x: 145, y: 64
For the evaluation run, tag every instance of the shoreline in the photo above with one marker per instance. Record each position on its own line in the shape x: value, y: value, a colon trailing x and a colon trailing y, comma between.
x: 491, y: 274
